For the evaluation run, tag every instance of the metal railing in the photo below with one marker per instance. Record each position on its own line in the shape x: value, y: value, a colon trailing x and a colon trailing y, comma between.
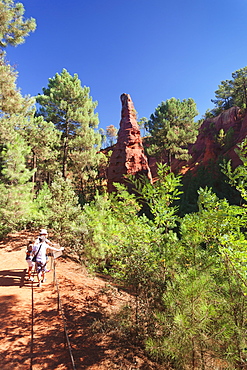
x: 59, y: 310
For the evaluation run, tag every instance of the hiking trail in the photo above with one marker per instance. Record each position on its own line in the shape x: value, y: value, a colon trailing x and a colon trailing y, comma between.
x: 32, y: 328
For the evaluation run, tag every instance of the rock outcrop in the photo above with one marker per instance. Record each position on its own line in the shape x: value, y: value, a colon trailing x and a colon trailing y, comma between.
x: 128, y: 156
x: 218, y: 136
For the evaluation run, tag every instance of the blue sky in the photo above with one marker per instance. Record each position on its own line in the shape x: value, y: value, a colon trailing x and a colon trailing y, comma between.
x: 150, y: 49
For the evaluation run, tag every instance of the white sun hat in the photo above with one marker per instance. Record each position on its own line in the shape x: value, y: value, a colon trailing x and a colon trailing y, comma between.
x: 43, y: 232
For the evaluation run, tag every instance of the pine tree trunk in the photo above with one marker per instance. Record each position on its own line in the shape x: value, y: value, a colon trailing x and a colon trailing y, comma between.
x: 34, y: 166
x: 65, y: 152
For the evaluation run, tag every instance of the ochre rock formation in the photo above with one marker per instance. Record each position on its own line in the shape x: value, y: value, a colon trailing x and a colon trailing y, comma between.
x: 218, y: 136
x: 128, y: 154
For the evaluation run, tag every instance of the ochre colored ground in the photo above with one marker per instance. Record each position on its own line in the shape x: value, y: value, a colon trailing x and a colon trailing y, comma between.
x: 32, y: 328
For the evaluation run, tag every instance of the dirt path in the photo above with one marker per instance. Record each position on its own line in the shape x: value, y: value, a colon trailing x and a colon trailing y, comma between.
x: 87, y: 302
x: 23, y: 345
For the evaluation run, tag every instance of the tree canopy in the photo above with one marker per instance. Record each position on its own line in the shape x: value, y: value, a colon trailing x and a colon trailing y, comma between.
x: 71, y: 109
x: 11, y: 102
x: 172, y: 127
x: 13, y: 27
x: 231, y: 93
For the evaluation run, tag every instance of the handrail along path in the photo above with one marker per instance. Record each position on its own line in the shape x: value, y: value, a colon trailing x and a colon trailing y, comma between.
x: 60, y: 310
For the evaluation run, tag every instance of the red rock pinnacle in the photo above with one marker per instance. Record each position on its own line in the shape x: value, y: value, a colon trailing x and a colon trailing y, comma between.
x: 128, y: 154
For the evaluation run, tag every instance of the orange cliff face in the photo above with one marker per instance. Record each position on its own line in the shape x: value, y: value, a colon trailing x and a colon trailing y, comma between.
x: 217, y: 137
x: 128, y: 156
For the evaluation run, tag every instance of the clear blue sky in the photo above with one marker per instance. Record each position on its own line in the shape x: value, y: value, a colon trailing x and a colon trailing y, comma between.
x: 150, y: 49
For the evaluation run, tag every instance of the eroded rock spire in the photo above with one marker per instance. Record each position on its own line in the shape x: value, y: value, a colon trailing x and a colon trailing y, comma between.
x: 128, y: 154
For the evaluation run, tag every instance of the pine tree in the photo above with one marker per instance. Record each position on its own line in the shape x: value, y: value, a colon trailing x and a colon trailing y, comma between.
x: 15, y: 186
x: 172, y: 128
x: 111, y: 134
x: 43, y: 139
x: 85, y: 161
x: 68, y: 105
x: 240, y: 87
x: 231, y: 93
x: 64, y: 209
x: 223, y: 97
x: 13, y: 30
x: 13, y: 27
x: 11, y: 100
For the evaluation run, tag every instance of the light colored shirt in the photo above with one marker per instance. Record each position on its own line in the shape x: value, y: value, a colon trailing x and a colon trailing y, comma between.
x: 40, y: 250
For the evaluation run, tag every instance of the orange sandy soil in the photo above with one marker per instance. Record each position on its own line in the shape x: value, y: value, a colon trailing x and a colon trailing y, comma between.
x: 87, y: 302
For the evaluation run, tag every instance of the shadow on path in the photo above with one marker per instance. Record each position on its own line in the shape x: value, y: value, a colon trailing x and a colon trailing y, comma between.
x: 15, y: 277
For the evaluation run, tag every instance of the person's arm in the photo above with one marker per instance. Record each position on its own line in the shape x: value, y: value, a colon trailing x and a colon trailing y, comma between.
x: 50, y: 242
x: 55, y: 249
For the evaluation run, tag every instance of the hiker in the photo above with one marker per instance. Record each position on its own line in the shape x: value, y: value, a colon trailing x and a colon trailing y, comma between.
x: 29, y: 257
x: 43, y: 237
x: 39, y: 254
